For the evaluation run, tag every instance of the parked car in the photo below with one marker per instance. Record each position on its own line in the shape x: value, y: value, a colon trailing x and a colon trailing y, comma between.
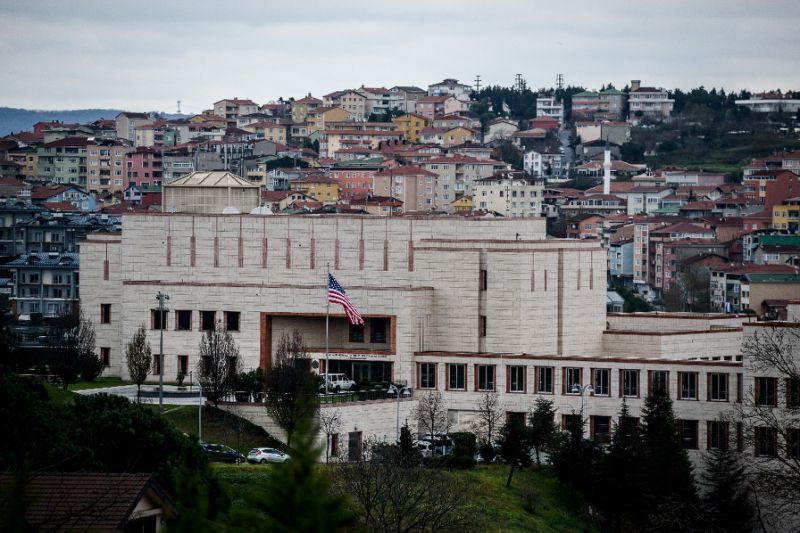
x: 336, y: 382
x: 220, y: 452
x: 267, y: 455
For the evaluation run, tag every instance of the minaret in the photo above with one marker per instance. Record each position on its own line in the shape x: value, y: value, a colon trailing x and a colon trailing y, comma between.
x: 607, y: 171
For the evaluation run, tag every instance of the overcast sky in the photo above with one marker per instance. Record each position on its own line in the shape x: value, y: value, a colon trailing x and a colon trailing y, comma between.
x: 145, y: 55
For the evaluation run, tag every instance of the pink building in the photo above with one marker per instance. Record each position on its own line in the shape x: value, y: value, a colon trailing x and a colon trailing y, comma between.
x: 143, y: 167
x: 414, y: 186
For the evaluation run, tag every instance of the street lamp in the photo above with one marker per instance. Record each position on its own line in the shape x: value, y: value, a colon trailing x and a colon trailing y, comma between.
x: 161, y: 297
x: 577, y: 389
x: 399, y: 390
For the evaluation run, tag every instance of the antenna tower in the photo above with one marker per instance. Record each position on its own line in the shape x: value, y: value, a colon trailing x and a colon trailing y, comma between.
x: 179, y: 107
x: 477, y: 83
x: 519, y: 82
x: 559, y: 81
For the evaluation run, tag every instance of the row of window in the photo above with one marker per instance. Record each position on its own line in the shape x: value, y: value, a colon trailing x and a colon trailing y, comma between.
x: 183, y: 319
x: 629, y: 382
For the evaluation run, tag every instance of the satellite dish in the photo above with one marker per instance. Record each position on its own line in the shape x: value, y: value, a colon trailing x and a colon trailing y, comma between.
x: 263, y: 210
x: 231, y: 211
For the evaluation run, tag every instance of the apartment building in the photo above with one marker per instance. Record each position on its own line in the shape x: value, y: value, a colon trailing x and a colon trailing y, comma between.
x: 105, y: 166
x: 63, y: 161
x: 457, y: 176
x: 412, y: 185
x: 233, y: 108
x: 510, y: 194
x: 549, y: 106
x: 143, y: 166
x: 46, y: 283
x: 411, y: 125
x: 351, y: 101
x: 649, y: 102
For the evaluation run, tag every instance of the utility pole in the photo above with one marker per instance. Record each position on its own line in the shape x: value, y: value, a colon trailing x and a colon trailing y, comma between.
x: 179, y: 107
x: 161, y: 297
x: 559, y: 81
x: 477, y: 83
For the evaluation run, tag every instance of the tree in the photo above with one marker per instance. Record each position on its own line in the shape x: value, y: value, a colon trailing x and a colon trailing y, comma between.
x: 298, y: 495
x: 515, y: 446
x: 632, y: 152
x: 330, y: 422
x: 390, y: 493
x: 8, y: 340
x: 664, y: 457
x: 488, y: 417
x: 542, y: 426
x: 219, y: 363
x: 431, y: 412
x: 139, y: 358
x: 71, y: 342
x: 290, y: 386
x: 773, y: 350
x: 727, y: 504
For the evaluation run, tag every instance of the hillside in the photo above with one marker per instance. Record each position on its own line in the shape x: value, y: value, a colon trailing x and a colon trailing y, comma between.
x: 15, y: 119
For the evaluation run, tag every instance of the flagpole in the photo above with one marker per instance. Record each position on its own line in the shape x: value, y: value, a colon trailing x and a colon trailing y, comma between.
x: 327, y: 327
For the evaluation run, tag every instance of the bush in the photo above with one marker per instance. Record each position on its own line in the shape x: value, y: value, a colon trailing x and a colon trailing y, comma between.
x: 464, y: 444
x: 487, y: 452
x: 531, y: 498
x: 91, y: 367
x: 460, y: 462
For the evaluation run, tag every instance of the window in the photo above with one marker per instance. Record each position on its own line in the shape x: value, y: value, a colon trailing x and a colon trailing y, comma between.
x: 184, y: 320
x: 427, y: 375
x: 630, y: 383
x: 516, y: 379
x: 718, y: 387
x: 766, y: 442
x: 687, y: 385
x: 572, y: 377
x: 231, y: 320
x: 569, y: 421
x: 687, y: 432
x: 484, y: 280
x: 378, y: 333
x: 482, y: 326
x: 156, y: 364
x: 485, y: 377
x: 792, y: 393
x: 766, y: 392
x: 183, y: 364
x: 793, y: 443
x: 600, y: 428
x: 356, y: 333
x: 739, y: 385
x: 105, y: 356
x: 334, y: 445
x: 207, y: 320
x: 457, y: 376
x: 717, y: 435
x: 156, y: 321
x: 105, y: 313
x: 600, y: 381
x: 544, y: 379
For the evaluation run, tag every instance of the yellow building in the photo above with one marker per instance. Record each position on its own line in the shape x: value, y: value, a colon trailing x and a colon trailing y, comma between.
x: 301, y: 107
x: 463, y: 204
x: 317, y: 119
x: 411, y: 125
x: 787, y: 215
x: 271, y: 131
x: 456, y: 136
x: 320, y: 188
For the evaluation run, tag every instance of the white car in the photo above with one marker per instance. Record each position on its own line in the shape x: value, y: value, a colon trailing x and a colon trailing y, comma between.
x: 336, y: 382
x: 266, y: 455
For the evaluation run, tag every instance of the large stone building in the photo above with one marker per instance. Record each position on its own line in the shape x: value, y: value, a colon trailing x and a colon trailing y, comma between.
x: 463, y: 306
x: 210, y: 192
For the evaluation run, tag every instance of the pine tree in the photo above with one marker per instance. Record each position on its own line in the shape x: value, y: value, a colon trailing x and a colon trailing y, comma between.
x: 542, y: 427
x: 727, y: 504
x: 515, y: 446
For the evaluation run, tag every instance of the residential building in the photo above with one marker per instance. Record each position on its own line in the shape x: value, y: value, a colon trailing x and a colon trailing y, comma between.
x: 759, y: 292
x: 379, y: 100
x: 232, y: 109
x: 726, y: 284
x: 105, y: 164
x: 771, y: 103
x: 270, y: 130
x: 786, y: 216
x: 319, y: 187
x: 447, y: 137
x: 143, y: 166
x: 63, y: 161
x: 413, y: 186
x: 510, y: 194
x: 649, y: 102
x: 351, y: 101
x: 411, y: 125
x: 646, y: 199
x: 450, y: 87
x: 356, y: 176
x: 549, y: 106
x: 333, y: 140
x: 301, y: 107
x: 408, y: 96
x: 777, y: 250
x: 318, y: 118
x: 457, y: 176
x: 45, y: 283
x: 546, y: 161
x: 431, y: 107
x: 126, y: 122
x: 500, y: 129
x: 585, y: 105
x: 611, y: 104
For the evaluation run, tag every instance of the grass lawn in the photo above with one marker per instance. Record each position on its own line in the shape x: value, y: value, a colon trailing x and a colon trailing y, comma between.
x: 58, y: 395
x: 99, y: 383
x: 220, y: 427
x: 500, y: 509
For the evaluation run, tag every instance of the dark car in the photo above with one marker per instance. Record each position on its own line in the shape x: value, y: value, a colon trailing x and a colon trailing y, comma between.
x: 220, y: 452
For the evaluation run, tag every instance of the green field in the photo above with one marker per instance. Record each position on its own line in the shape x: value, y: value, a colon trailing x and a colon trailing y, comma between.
x: 500, y: 509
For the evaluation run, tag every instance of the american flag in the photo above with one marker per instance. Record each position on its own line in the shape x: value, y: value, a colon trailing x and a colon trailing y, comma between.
x: 337, y: 295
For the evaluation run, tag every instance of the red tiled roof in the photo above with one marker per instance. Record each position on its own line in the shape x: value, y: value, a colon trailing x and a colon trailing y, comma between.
x: 460, y: 159
x: 758, y: 269
x: 41, y: 193
x: 432, y: 99
x: 65, y: 207
x: 405, y: 170
x: 68, y: 141
x: 308, y: 100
